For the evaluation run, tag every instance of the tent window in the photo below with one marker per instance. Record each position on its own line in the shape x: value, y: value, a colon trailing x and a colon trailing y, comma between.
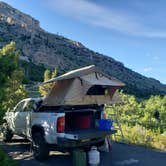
x: 96, y: 90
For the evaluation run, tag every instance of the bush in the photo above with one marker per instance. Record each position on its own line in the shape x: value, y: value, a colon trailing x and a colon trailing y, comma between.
x: 143, y: 121
x: 5, y: 160
x: 140, y: 136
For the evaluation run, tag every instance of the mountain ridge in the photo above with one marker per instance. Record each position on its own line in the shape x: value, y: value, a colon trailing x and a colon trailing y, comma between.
x: 54, y: 51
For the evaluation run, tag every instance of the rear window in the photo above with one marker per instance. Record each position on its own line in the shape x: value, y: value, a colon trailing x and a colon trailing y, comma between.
x: 68, y: 108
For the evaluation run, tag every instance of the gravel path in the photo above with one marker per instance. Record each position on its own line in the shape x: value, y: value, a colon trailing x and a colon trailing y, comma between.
x: 121, y: 155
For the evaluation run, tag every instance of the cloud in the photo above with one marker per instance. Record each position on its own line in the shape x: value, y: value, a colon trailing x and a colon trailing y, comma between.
x: 97, y: 15
x: 147, y: 69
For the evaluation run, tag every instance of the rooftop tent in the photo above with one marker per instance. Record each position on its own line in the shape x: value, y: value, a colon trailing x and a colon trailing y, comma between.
x: 83, y: 86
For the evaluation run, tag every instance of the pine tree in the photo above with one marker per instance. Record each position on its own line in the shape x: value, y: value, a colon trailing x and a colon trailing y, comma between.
x: 11, y: 78
x: 15, y: 90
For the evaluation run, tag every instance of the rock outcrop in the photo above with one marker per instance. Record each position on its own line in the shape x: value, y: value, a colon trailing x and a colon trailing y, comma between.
x: 54, y: 51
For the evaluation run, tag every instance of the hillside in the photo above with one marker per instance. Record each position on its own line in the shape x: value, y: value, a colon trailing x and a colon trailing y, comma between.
x: 41, y: 49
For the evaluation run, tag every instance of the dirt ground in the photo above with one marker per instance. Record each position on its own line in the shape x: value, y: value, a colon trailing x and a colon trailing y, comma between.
x: 121, y: 155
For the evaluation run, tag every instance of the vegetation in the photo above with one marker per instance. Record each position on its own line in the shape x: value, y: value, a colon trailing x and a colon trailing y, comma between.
x: 143, y: 121
x: 11, y: 79
x: 139, y: 135
x: 44, y: 89
x: 32, y: 71
x: 5, y: 160
x: 11, y: 87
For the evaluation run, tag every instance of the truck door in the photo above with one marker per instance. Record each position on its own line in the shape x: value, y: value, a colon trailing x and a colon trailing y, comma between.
x: 28, y: 109
x: 17, y: 117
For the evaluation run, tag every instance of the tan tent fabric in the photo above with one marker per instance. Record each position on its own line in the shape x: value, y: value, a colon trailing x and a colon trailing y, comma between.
x: 99, y: 100
x: 83, y: 72
x: 73, y: 74
x: 71, y: 88
x: 58, y: 93
x: 99, y: 79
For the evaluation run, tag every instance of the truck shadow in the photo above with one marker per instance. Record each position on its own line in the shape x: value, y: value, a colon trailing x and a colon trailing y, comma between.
x: 19, y: 150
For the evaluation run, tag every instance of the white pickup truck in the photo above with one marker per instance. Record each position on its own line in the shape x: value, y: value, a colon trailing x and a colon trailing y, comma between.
x: 61, y: 128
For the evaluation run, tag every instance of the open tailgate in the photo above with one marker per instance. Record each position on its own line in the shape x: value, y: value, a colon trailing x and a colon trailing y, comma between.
x: 88, y: 134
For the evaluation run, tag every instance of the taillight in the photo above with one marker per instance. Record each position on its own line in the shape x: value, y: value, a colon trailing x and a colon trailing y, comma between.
x: 61, y: 125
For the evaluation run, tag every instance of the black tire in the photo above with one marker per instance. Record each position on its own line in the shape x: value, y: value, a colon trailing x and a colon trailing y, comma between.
x: 39, y: 147
x: 7, y: 134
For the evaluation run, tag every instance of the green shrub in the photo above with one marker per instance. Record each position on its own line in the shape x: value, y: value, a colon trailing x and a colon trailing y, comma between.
x: 140, y: 136
x: 5, y: 160
x: 143, y: 121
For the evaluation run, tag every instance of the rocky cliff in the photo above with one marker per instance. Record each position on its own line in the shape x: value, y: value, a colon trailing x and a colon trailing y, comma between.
x: 53, y: 51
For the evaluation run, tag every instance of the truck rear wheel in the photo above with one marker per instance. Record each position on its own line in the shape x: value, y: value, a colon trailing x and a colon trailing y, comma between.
x: 7, y: 133
x: 39, y: 147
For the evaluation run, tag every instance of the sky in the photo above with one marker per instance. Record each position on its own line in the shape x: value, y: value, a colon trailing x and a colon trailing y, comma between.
x: 130, y: 31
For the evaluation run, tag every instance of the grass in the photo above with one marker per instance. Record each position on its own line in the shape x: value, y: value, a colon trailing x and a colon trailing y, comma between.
x: 5, y: 160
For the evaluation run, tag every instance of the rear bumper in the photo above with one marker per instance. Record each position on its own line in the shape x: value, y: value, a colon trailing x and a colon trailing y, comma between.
x: 83, y: 139
x: 66, y: 143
